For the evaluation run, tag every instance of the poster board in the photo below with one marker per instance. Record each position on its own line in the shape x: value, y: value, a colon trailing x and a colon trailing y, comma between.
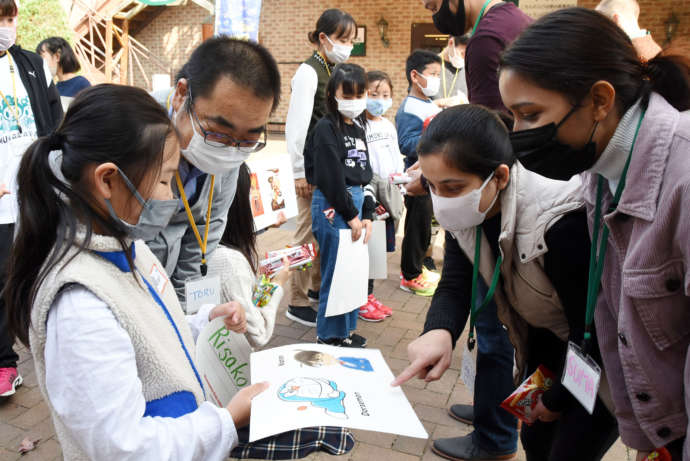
x: 272, y: 189
x: 318, y: 385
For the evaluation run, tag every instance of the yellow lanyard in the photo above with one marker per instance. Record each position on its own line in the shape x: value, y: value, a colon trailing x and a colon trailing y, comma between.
x: 443, y: 72
x: 325, y: 63
x: 202, y: 243
x: 15, y: 112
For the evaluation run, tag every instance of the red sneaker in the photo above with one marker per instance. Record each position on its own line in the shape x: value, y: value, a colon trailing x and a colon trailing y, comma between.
x: 9, y: 381
x: 387, y: 311
x: 370, y: 313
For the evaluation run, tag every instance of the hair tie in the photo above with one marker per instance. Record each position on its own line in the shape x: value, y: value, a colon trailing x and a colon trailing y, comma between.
x: 55, y: 141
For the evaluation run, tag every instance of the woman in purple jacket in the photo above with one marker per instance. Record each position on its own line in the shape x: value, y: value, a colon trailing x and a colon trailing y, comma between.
x: 584, y: 103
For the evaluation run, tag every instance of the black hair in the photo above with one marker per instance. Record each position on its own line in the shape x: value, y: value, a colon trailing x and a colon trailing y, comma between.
x: 471, y: 138
x: 333, y: 21
x: 569, y: 50
x: 131, y: 134
x: 8, y: 8
x: 68, y: 62
x: 240, y: 232
x: 461, y: 39
x: 418, y: 61
x: 379, y: 76
x: 246, y: 63
x: 354, y: 83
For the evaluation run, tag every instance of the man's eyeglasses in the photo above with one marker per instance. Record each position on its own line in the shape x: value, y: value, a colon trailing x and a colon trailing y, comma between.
x: 223, y: 140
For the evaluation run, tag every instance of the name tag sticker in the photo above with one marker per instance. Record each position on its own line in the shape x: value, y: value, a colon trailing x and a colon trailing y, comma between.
x: 581, y: 377
x: 204, y: 290
x: 468, y: 368
x: 158, y: 279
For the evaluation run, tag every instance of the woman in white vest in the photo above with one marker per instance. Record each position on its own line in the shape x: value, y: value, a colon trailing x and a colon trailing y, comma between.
x: 526, y: 236
x: 112, y: 347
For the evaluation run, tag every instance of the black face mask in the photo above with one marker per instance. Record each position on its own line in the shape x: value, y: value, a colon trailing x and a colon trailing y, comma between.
x: 448, y: 23
x: 540, y: 151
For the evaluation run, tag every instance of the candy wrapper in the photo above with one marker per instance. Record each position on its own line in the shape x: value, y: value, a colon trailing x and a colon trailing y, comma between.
x: 660, y: 454
x: 522, y: 402
x: 263, y: 292
x: 299, y: 256
x: 399, y: 178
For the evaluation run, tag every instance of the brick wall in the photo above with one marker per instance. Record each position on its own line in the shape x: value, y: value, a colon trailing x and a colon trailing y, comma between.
x: 653, y: 14
x: 285, y: 23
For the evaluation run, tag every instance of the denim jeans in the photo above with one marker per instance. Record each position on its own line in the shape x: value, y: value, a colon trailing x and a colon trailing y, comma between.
x: 327, y: 233
x: 495, y: 430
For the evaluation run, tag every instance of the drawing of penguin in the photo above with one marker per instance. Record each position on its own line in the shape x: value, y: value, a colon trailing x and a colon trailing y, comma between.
x: 319, y: 392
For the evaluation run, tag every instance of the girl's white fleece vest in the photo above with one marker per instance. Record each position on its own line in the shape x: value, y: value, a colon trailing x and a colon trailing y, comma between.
x: 161, y: 338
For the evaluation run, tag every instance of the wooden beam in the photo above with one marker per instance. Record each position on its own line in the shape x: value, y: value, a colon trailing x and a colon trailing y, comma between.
x: 109, y: 50
x: 124, y: 60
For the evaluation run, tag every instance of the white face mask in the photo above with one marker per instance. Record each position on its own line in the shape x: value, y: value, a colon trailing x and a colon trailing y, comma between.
x: 340, y: 53
x: 351, y: 108
x: 456, y: 59
x: 432, y: 85
x: 8, y: 35
x: 209, y: 159
x: 459, y: 213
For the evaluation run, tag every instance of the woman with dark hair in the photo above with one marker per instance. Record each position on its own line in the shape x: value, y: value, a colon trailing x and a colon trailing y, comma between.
x: 332, y: 39
x: 64, y: 65
x: 336, y: 163
x: 584, y: 103
x: 515, y: 229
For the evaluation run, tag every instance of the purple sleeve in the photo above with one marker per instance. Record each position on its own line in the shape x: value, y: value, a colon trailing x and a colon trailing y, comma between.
x: 482, y: 60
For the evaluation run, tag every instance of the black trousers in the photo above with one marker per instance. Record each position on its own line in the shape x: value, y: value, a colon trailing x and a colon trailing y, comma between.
x: 8, y: 358
x: 576, y: 436
x: 417, y: 235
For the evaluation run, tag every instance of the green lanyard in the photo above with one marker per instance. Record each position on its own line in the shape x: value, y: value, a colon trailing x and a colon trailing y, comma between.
x: 596, y: 264
x: 474, y: 309
x: 481, y: 13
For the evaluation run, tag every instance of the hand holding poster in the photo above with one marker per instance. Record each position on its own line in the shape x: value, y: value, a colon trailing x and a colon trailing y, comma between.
x: 319, y: 385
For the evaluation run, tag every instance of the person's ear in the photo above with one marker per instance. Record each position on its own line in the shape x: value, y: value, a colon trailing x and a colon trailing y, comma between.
x: 323, y: 39
x: 603, y: 99
x: 104, y: 178
x: 181, y: 93
x: 502, y: 175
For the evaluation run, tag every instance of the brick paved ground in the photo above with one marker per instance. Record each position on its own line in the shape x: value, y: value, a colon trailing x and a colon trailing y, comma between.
x: 26, y: 415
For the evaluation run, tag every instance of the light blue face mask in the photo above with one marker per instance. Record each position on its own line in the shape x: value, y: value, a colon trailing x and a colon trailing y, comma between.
x: 155, y: 214
x: 378, y: 107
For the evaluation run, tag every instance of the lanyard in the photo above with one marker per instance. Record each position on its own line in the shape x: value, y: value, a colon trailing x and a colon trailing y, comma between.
x: 596, y: 264
x: 474, y: 309
x: 15, y: 112
x: 481, y: 13
x: 325, y: 63
x: 202, y: 243
x: 443, y: 72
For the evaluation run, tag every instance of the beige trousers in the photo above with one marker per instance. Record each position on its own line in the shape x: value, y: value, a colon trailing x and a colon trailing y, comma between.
x: 302, y: 281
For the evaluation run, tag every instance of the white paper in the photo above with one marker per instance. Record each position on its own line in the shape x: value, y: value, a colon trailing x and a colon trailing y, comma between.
x: 350, y: 276
x: 468, y: 368
x: 378, y: 266
x: 319, y: 385
x: 204, y: 290
x: 272, y: 190
x: 222, y: 359
x: 581, y: 377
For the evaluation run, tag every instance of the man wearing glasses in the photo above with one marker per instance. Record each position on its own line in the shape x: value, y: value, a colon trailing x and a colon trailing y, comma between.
x: 220, y: 105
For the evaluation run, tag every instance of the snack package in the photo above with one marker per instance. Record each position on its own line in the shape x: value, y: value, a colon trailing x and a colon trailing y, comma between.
x: 298, y: 257
x: 660, y: 454
x: 522, y: 402
x: 399, y: 178
x: 263, y: 292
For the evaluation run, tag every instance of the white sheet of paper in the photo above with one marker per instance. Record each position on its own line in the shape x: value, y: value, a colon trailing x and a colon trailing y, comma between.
x: 349, y: 285
x: 581, y: 377
x: 468, y: 368
x: 272, y: 190
x: 204, y: 290
x: 378, y: 266
x: 319, y: 385
x: 222, y: 359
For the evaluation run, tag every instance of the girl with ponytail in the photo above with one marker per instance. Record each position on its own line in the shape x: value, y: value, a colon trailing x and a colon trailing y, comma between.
x: 583, y: 102
x: 111, y: 345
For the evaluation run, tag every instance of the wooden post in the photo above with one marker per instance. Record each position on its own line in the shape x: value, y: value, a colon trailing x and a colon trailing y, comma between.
x: 109, y: 50
x: 124, y: 60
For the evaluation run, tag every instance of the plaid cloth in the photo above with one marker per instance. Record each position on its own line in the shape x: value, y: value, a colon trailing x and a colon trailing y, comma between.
x: 294, y: 444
